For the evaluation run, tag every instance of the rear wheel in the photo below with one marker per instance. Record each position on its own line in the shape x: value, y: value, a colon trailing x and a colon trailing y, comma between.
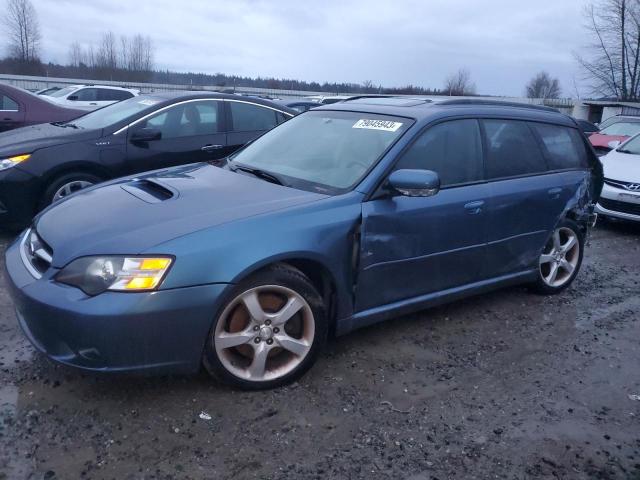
x: 66, y: 185
x: 270, y: 331
x: 561, y: 258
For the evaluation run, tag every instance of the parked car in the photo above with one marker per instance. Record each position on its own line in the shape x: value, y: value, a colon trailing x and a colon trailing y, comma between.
x: 91, y: 97
x: 45, y: 163
x: 343, y: 216
x: 587, y: 127
x: 618, y: 119
x: 615, y: 132
x: 47, y: 91
x: 19, y: 108
x: 297, y: 104
x: 621, y: 193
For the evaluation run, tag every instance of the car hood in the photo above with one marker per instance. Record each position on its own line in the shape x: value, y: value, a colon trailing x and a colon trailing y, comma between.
x: 601, y: 140
x: 131, y: 215
x: 32, y: 138
x: 624, y: 167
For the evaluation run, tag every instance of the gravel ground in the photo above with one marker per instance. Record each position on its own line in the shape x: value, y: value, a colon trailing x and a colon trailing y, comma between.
x: 507, y: 385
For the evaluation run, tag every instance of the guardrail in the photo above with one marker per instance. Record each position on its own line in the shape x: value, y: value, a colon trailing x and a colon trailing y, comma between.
x: 39, y: 83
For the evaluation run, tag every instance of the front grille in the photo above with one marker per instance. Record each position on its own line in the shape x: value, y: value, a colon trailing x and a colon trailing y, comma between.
x: 631, y: 186
x: 36, y: 254
x: 622, y: 207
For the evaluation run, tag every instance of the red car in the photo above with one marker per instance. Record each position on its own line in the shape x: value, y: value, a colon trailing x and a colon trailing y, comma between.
x: 19, y: 108
x: 619, y: 131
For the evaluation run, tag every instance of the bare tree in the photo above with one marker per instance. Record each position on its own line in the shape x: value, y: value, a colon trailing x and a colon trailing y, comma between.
x: 76, y: 55
x: 21, y: 21
x: 107, y: 55
x: 543, y: 86
x: 460, y: 83
x: 613, y: 59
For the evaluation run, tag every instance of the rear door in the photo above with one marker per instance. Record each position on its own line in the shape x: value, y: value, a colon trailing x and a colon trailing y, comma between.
x: 85, y: 97
x: 12, y: 115
x: 248, y: 120
x: 190, y: 132
x: 523, y: 196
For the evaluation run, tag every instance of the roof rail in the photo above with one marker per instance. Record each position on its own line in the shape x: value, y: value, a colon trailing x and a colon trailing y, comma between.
x: 497, y: 103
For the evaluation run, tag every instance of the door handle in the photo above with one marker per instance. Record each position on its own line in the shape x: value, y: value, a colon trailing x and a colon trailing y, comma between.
x: 554, y: 193
x: 210, y: 148
x: 474, y: 208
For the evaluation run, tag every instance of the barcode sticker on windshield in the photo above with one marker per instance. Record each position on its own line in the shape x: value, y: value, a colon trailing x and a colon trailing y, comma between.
x: 386, y: 125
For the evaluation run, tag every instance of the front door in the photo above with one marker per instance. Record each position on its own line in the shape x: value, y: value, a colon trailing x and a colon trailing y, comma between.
x: 413, y: 246
x: 190, y: 132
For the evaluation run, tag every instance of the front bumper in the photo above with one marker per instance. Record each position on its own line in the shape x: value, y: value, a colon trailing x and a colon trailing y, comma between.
x: 162, y: 331
x: 619, y: 203
x: 19, y: 197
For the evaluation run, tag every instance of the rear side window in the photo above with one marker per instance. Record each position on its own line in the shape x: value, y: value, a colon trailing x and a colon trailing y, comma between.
x: 249, y: 117
x: 86, y: 95
x: 7, y: 104
x: 565, y: 147
x: 512, y: 149
x: 452, y: 149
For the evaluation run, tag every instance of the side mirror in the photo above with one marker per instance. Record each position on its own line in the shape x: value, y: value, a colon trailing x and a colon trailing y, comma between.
x: 147, y: 134
x: 614, y: 144
x: 415, y: 183
x: 72, y: 97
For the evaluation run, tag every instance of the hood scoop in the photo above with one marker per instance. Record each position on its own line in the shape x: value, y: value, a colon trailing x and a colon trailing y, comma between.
x: 150, y: 190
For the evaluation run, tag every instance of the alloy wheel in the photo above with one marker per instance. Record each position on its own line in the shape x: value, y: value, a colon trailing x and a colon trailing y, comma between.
x: 264, y: 333
x: 69, y: 188
x: 560, y: 257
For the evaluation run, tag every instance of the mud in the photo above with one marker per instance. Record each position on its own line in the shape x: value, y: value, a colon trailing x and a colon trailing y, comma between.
x: 506, y: 385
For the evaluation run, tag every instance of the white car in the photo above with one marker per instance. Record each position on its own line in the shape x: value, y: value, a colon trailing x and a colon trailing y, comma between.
x: 91, y: 97
x: 621, y: 192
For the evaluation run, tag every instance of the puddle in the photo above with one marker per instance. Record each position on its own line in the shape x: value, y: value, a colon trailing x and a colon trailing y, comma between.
x: 589, y: 318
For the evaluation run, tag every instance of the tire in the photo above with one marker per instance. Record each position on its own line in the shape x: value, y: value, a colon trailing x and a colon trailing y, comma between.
x: 266, y: 318
x: 72, y: 180
x: 560, y: 257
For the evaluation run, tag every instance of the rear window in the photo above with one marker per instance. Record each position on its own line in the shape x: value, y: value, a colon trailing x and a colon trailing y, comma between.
x: 107, y: 94
x: 565, y: 147
x: 628, y: 129
x: 512, y: 149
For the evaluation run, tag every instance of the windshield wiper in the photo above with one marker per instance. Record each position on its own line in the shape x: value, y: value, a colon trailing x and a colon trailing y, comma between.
x: 622, y: 150
x: 256, y: 172
x: 65, y: 125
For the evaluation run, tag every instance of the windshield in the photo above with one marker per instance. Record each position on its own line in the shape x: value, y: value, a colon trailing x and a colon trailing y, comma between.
x: 62, y: 92
x: 631, y: 146
x: 107, y: 116
x: 323, y: 150
x: 628, y: 129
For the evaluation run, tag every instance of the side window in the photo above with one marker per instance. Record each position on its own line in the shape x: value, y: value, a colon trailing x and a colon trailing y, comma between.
x: 7, y: 104
x: 512, y: 149
x: 564, y: 145
x: 249, y: 117
x: 86, y: 95
x: 452, y: 149
x: 186, y: 120
x: 107, y: 94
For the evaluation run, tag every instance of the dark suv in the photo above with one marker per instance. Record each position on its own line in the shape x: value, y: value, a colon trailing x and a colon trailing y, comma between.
x: 341, y: 217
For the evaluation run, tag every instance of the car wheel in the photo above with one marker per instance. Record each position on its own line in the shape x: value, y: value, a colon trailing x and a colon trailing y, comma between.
x: 65, y: 185
x: 560, y: 259
x: 270, y: 331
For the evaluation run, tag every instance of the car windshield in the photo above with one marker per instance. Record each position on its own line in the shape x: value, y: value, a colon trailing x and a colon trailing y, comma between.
x: 115, y: 113
x: 62, y: 92
x: 628, y: 129
x: 326, y: 151
x: 631, y: 146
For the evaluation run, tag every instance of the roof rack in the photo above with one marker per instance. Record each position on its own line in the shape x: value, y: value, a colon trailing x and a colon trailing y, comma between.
x: 497, y: 103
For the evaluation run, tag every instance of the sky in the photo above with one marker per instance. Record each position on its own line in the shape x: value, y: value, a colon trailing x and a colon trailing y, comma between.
x: 503, y: 43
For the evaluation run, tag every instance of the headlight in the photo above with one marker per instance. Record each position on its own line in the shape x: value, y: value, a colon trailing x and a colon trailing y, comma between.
x: 94, y: 275
x: 12, y: 161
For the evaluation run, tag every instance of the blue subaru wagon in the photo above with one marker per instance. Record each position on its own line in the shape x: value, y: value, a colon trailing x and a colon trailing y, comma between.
x: 339, y: 218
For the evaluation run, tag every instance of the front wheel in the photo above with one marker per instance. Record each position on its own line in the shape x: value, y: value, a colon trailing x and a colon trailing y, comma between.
x: 65, y: 185
x: 270, y: 331
x: 560, y: 259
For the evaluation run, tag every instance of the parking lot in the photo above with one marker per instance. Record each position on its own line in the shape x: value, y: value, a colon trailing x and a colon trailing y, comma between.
x: 507, y: 385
